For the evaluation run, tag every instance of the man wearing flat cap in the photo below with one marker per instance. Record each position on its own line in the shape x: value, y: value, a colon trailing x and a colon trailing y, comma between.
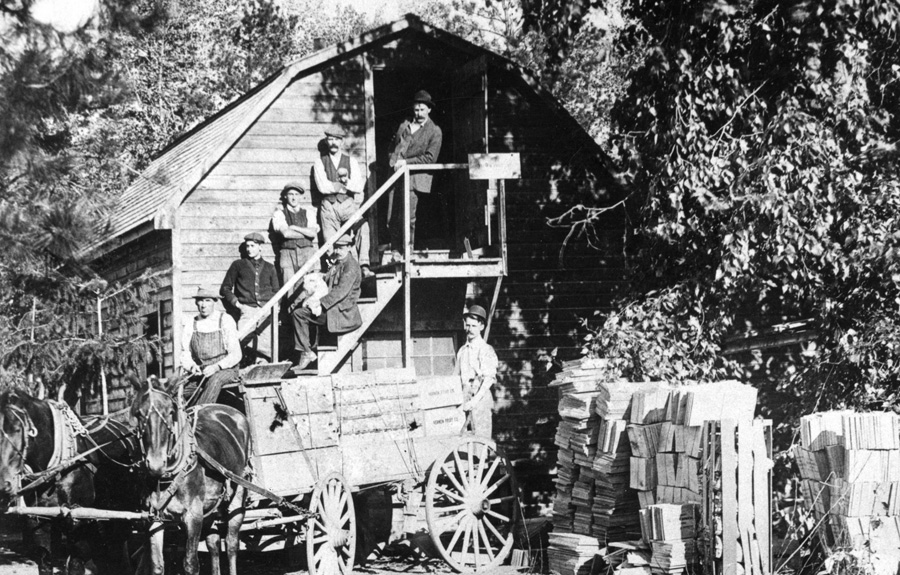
x: 340, y: 312
x: 210, y: 350
x: 294, y: 230
x: 476, y: 363
x: 249, y: 283
x: 341, y: 182
x: 417, y: 141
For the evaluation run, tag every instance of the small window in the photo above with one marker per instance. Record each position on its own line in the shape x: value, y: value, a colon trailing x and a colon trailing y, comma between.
x: 432, y: 354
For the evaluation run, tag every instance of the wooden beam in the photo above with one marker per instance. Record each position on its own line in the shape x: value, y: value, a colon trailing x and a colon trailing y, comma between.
x: 487, y: 328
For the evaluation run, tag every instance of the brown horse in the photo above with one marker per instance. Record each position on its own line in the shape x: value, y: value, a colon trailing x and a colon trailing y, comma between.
x: 181, y: 484
x: 95, y: 461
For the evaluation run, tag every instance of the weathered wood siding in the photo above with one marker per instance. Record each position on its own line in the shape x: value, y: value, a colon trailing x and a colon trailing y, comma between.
x: 549, y: 288
x: 240, y: 193
x: 152, y: 253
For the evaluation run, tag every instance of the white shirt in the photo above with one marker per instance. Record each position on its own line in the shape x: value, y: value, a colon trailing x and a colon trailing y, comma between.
x: 279, y: 222
x: 355, y: 184
x: 476, y: 362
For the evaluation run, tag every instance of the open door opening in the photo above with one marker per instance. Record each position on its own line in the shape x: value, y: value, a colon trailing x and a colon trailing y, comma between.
x: 394, y: 89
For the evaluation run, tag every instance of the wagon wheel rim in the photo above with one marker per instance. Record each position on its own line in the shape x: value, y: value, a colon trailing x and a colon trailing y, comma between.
x: 331, y: 530
x: 471, y: 505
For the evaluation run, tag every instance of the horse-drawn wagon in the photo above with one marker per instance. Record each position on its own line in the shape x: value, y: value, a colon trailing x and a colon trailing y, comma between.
x: 319, y: 439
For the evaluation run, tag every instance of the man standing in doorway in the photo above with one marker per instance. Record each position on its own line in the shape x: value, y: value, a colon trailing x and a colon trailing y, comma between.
x: 417, y: 141
x: 294, y: 231
x: 341, y: 182
x: 477, y: 362
x: 249, y: 283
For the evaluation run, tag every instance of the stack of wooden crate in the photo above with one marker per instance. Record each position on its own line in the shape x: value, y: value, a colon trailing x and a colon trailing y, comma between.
x: 579, y: 387
x: 615, y: 506
x: 850, y: 469
x: 671, y: 530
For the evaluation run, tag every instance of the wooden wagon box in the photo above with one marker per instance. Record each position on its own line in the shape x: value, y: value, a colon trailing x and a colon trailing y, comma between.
x: 373, y: 427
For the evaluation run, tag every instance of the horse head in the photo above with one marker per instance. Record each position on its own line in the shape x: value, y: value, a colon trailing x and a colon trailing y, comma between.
x: 17, y: 434
x: 157, y: 415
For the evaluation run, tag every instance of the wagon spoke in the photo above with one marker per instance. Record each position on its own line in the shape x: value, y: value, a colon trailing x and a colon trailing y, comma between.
x: 493, y: 513
x: 459, y: 470
x: 490, y: 473
x: 501, y: 499
x: 487, y: 542
x: 493, y: 529
x: 452, y: 477
x: 465, y: 545
x: 479, y: 469
x: 449, y: 522
x: 499, y: 482
x: 476, y: 541
x: 449, y: 493
x: 456, y: 535
x: 471, y: 474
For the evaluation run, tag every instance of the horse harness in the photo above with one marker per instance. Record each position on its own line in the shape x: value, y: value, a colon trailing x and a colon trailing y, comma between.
x: 67, y: 429
x: 188, y: 454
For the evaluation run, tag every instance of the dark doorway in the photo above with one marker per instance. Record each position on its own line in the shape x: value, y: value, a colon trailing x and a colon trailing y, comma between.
x: 394, y: 89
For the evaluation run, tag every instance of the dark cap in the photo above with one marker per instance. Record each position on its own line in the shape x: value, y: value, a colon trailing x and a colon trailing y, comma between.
x: 423, y: 97
x: 204, y: 293
x: 335, y: 132
x: 294, y: 186
x: 255, y: 237
x: 476, y: 311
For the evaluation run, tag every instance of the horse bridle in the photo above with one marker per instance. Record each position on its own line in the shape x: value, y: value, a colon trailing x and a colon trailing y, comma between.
x: 28, y: 430
x: 176, y: 438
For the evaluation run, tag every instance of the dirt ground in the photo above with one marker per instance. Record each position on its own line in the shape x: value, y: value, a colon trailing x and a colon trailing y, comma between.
x: 13, y: 562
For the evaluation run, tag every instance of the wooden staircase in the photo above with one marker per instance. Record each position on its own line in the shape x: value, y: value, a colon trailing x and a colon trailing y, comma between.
x: 386, y: 285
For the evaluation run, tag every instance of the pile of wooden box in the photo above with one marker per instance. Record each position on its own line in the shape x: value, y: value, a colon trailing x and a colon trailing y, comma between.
x: 639, y: 450
x: 670, y: 530
x: 850, y: 469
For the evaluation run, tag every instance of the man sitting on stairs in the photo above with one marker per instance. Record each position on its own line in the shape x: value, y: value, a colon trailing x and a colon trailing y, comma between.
x: 340, y: 313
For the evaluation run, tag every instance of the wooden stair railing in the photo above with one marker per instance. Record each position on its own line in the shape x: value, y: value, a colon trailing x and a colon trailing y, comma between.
x: 270, y: 309
x: 388, y: 285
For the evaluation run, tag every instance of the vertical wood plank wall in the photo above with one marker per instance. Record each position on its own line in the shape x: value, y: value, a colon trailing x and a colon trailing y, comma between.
x: 240, y: 193
x: 545, y: 293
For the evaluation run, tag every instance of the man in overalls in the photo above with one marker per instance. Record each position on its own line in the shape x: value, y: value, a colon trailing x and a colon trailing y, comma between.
x: 476, y: 363
x: 210, y: 350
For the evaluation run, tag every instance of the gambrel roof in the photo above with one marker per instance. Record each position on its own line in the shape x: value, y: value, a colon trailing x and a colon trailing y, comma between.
x: 151, y: 200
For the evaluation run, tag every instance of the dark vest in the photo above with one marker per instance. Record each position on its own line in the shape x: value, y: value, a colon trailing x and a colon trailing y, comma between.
x: 298, y: 219
x: 331, y: 172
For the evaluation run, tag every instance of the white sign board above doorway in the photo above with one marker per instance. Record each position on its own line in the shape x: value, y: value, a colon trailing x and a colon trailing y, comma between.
x: 495, y: 167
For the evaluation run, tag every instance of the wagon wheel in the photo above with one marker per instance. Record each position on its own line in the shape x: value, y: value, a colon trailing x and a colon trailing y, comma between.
x: 331, y: 536
x: 471, y: 505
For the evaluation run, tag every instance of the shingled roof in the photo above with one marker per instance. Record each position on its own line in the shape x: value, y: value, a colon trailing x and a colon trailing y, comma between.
x: 150, y: 201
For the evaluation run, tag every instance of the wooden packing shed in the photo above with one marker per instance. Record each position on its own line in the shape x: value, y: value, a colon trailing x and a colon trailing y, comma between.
x: 186, y: 214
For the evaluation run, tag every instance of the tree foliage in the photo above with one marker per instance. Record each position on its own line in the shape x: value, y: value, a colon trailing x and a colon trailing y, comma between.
x: 759, y: 142
x: 86, y: 107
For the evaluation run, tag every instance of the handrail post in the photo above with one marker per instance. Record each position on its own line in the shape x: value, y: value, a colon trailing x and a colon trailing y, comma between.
x: 501, y: 217
x: 274, y: 332
x: 407, y: 254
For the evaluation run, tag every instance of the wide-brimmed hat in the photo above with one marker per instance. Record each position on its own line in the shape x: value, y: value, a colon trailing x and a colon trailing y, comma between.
x: 205, y: 293
x: 255, y: 237
x: 476, y: 311
x: 335, y: 132
x: 423, y: 97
